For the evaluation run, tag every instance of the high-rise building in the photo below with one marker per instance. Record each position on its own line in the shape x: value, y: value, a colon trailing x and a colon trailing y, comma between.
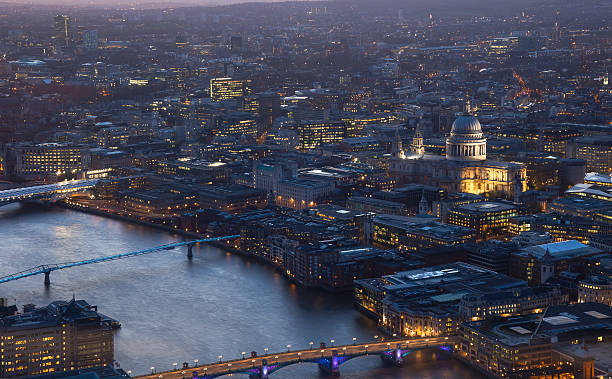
x: 60, y: 337
x: 62, y: 28
x: 90, y: 39
x: 228, y: 88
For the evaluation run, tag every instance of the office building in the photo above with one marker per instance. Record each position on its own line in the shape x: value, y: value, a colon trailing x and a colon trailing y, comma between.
x: 414, y: 233
x: 565, y: 340
x: 228, y: 88
x: 424, y: 302
x: 50, y: 161
x: 596, y: 151
x: 486, y: 218
x: 596, y: 289
x: 62, y: 336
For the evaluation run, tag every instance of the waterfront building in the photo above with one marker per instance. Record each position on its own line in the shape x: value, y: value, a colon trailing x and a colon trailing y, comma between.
x: 62, y: 336
x: 486, y: 218
x: 597, y: 289
x: 541, y: 344
x: 414, y: 233
x: 519, y: 301
x: 465, y: 167
x: 424, y: 302
x: 537, y: 264
x: 228, y: 88
x: 50, y: 161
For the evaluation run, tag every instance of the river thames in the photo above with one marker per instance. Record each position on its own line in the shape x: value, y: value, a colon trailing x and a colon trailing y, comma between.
x: 175, y: 310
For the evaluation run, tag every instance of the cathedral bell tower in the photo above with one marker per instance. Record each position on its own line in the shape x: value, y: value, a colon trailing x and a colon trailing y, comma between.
x: 417, y: 142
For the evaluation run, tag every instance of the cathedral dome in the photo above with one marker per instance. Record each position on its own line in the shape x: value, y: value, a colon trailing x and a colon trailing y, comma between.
x: 466, y: 124
x: 466, y: 141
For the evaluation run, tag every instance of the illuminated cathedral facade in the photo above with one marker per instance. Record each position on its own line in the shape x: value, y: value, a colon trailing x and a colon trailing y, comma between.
x: 465, y: 168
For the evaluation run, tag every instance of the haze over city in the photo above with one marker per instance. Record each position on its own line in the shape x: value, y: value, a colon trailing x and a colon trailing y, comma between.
x: 306, y: 189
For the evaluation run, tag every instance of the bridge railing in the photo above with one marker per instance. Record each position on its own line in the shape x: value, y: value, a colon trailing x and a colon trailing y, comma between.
x: 223, y: 367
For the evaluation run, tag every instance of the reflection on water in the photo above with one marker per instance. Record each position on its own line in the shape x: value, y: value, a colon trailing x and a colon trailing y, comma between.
x: 176, y: 310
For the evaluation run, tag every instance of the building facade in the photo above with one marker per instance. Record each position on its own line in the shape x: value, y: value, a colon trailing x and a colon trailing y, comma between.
x: 60, y: 337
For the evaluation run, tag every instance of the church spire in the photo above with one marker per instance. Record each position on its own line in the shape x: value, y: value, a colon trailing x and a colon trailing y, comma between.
x: 423, y: 205
x: 397, y: 148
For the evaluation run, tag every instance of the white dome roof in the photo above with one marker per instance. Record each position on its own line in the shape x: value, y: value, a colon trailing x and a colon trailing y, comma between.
x: 466, y: 124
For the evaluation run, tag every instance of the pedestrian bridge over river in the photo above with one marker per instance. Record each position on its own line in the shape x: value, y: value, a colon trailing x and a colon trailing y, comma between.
x: 328, y: 359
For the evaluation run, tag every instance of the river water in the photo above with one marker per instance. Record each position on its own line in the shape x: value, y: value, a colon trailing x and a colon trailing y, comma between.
x: 175, y: 310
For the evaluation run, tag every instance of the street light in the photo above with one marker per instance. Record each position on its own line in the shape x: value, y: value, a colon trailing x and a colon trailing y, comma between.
x: 311, y: 343
x: 354, y: 340
x: 152, y: 369
x: 332, y: 342
x: 175, y: 364
x: 220, y: 358
x: 266, y: 351
x: 195, y: 362
x: 243, y: 354
x: 366, y: 347
x: 288, y: 348
x: 253, y: 362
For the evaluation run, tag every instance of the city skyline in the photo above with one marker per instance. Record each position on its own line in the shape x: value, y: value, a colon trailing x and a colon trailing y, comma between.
x: 306, y: 189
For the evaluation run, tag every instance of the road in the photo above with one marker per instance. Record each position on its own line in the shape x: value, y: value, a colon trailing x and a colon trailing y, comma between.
x: 289, y: 357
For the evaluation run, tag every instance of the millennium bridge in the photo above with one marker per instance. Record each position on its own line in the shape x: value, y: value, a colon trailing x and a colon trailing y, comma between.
x: 48, y: 268
x: 328, y: 359
x: 55, y: 190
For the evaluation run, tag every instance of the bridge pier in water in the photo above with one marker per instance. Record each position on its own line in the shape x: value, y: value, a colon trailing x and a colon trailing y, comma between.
x: 189, y: 252
x: 331, y: 366
x: 395, y: 356
x: 47, y: 279
x: 261, y: 372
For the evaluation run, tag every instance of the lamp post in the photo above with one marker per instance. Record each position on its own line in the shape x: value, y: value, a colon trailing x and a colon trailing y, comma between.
x: 354, y: 340
x: 243, y: 354
x: 152, y: 369
x: 266, y: 350
x: 311, y: 343
x: 174, y: 365
x: 288, y: 348
x: 220, y: 357
x: 332, y: 342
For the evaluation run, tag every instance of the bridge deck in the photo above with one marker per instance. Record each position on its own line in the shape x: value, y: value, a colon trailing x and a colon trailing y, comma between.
x: 60, y: 266
x: 24, y: 193
x: 306, y: 355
